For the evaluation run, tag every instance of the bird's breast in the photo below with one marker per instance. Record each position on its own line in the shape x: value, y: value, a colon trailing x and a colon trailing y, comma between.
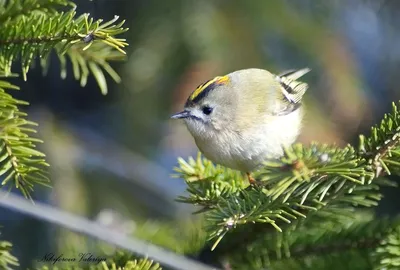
x: 246, y: 150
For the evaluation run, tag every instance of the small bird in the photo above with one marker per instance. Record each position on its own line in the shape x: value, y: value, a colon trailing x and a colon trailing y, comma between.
x: 245, y: 117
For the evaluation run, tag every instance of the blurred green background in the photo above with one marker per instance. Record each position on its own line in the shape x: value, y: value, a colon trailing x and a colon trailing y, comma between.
x: 111, y: 156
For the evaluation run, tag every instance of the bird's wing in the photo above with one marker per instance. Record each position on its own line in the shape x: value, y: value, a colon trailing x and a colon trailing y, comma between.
x: 292, y: 89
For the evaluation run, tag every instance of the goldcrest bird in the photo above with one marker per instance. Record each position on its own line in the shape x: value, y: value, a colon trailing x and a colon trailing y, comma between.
x: 245, y: 117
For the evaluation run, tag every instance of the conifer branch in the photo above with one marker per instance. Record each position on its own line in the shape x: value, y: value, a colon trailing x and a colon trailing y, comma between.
x: 316, y: 243
x: 304, y: 182
x: 124, y: 264
x: 382, y: 147
x: 207, y: 183
x: 22, y: 165
x: 93, y: 61
x: 32, y: 28
x: 387, y: 254
x: 89, y: 44
x: 301, y: 190
x: 357, y: 236
x: 10, y: 10
x: 7, y: 260
x: 141, y: 264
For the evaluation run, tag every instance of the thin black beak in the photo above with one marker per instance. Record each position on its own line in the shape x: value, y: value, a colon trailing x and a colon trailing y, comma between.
x: 180, y: 115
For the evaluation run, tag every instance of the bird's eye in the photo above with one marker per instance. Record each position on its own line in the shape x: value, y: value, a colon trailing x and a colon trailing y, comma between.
x: 206, y: 110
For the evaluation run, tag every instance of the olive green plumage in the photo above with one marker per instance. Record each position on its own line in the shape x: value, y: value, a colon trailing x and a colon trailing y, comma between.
x: 245, y: 117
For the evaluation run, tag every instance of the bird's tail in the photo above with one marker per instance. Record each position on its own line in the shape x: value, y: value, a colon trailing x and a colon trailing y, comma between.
x: 292, y: 89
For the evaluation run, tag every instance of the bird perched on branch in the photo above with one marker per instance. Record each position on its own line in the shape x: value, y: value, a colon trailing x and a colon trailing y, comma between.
x: 245, y: 117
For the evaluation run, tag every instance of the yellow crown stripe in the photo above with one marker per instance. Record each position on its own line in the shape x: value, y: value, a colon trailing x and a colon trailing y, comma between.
x: 219, y: 80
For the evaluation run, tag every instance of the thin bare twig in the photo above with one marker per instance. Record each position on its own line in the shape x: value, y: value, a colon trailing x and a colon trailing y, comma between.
x: 95, y: 230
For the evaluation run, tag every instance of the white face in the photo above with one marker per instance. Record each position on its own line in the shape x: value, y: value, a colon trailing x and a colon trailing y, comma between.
x: 201, y: 120
x: 207, y: 117
x: 211, y: 113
